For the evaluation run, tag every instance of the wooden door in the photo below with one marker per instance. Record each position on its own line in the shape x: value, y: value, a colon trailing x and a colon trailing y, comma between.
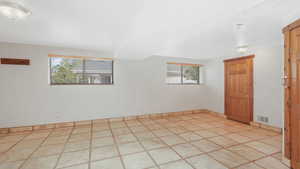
x: 292, y: 93
x: 239, y: 89
x: 295, y: 96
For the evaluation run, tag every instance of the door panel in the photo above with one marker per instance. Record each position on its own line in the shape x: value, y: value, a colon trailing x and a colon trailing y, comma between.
x: 295, y: 97
x: 239, y: 89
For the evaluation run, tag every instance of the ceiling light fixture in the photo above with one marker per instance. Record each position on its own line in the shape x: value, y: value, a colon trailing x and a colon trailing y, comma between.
x: 13, y: 10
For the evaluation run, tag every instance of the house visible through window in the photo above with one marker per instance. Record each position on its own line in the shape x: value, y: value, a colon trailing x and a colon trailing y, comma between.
x: 181, y: 73
x: 80, y: 70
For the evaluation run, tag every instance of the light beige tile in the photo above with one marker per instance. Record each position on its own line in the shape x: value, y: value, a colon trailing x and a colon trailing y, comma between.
x: 270, y: 162
x: 205, y: 162
x: 81, y: 130
x: 80, y: 137
x: 154, y: 127
x: 48, y: 150
x: 249, y: 166
x: 104, y: 152
x: 58, y: 133
x: 138, y: 161
x: 128, y: 148
x: 104, y: 133
x: 223, y: 141
x: 73, y: 158
x: 125, y: 138
x: 162, y: 132
x: 41, y: 163
x: 6, y: 146
x: 100, y: 128
x: 206, y: 133
x: 133, y: 123
x: 29, y: 144
x: 78, y: 145
x: 136, y: 129
x: 114, y: 125
x: 246, y: 152
x: 121, y: 131
x: 253, y: 134
x: 113, y: 163
x: 164, y: 155
x: 11, y: 165
x: 56, y: 140
x: 153, y: 143
x: 186, y: 150
x: 172, y: 140
x: 176, y: 165
x: 16, y: 154
x: 262, y: 147
x: 238, y: 138
x: 144, y: 135
x: 83, y: 166
x: 104, y: 141
x: 178, y: 130
x: 206, y: 146
x: 12, y: 138
x: 228, y: 158
x: 37, y: 135
x: 190, y: 136
x: 278, y: 156
x: 273, y: 141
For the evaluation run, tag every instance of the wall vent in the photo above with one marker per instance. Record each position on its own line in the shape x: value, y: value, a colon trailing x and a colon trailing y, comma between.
x: 263, y: 119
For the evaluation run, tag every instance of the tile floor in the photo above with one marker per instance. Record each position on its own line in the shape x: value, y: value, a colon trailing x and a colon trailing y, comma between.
x: 195, y: 141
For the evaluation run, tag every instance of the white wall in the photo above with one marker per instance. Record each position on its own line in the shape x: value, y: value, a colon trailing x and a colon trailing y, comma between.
x: 26, y: 98
x: 268, y: 90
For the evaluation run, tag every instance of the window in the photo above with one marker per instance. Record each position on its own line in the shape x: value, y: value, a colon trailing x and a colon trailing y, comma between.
x: 180, y: 73
x: 66, y: 70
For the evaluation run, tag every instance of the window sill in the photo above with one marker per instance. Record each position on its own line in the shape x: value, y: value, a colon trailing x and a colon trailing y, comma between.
x: 186, y: 84
x: 70, y: 84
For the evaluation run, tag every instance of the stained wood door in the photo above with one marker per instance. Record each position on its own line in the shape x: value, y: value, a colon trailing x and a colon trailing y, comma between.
x: 295, y: 96
x: 239, y: 89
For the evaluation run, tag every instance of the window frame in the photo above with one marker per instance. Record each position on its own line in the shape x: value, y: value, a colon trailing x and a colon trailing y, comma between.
x: 50, y: 56
x: 182, y: 73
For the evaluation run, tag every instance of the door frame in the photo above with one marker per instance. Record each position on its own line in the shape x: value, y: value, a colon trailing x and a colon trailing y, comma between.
x: 250, y: 87
x: 287, y: 90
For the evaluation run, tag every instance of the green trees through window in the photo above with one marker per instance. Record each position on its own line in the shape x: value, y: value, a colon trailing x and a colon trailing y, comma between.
x: 80, y: 71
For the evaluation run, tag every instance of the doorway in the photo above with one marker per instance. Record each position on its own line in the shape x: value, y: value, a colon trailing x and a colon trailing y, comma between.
x: 292, y: 93
x: 239, y: 88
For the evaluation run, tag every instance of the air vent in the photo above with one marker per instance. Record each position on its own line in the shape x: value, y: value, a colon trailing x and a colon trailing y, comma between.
x: 263, y: 119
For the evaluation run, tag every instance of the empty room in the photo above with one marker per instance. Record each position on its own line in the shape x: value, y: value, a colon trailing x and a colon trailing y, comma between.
x: 149, y: 84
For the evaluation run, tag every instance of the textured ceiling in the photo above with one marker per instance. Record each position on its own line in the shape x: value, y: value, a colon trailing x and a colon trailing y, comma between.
x: 199, y: 29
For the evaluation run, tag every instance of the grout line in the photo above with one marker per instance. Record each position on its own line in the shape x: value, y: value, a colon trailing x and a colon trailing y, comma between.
x: 35, y: 150
x: 156, y: 165
x: 64, y: 147
x: 90, y: 145
x: 116, y: 144
x: 181, y: 122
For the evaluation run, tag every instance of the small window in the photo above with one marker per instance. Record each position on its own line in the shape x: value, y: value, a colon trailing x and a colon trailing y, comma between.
x: 180, y: 73
x: 65, y: 70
